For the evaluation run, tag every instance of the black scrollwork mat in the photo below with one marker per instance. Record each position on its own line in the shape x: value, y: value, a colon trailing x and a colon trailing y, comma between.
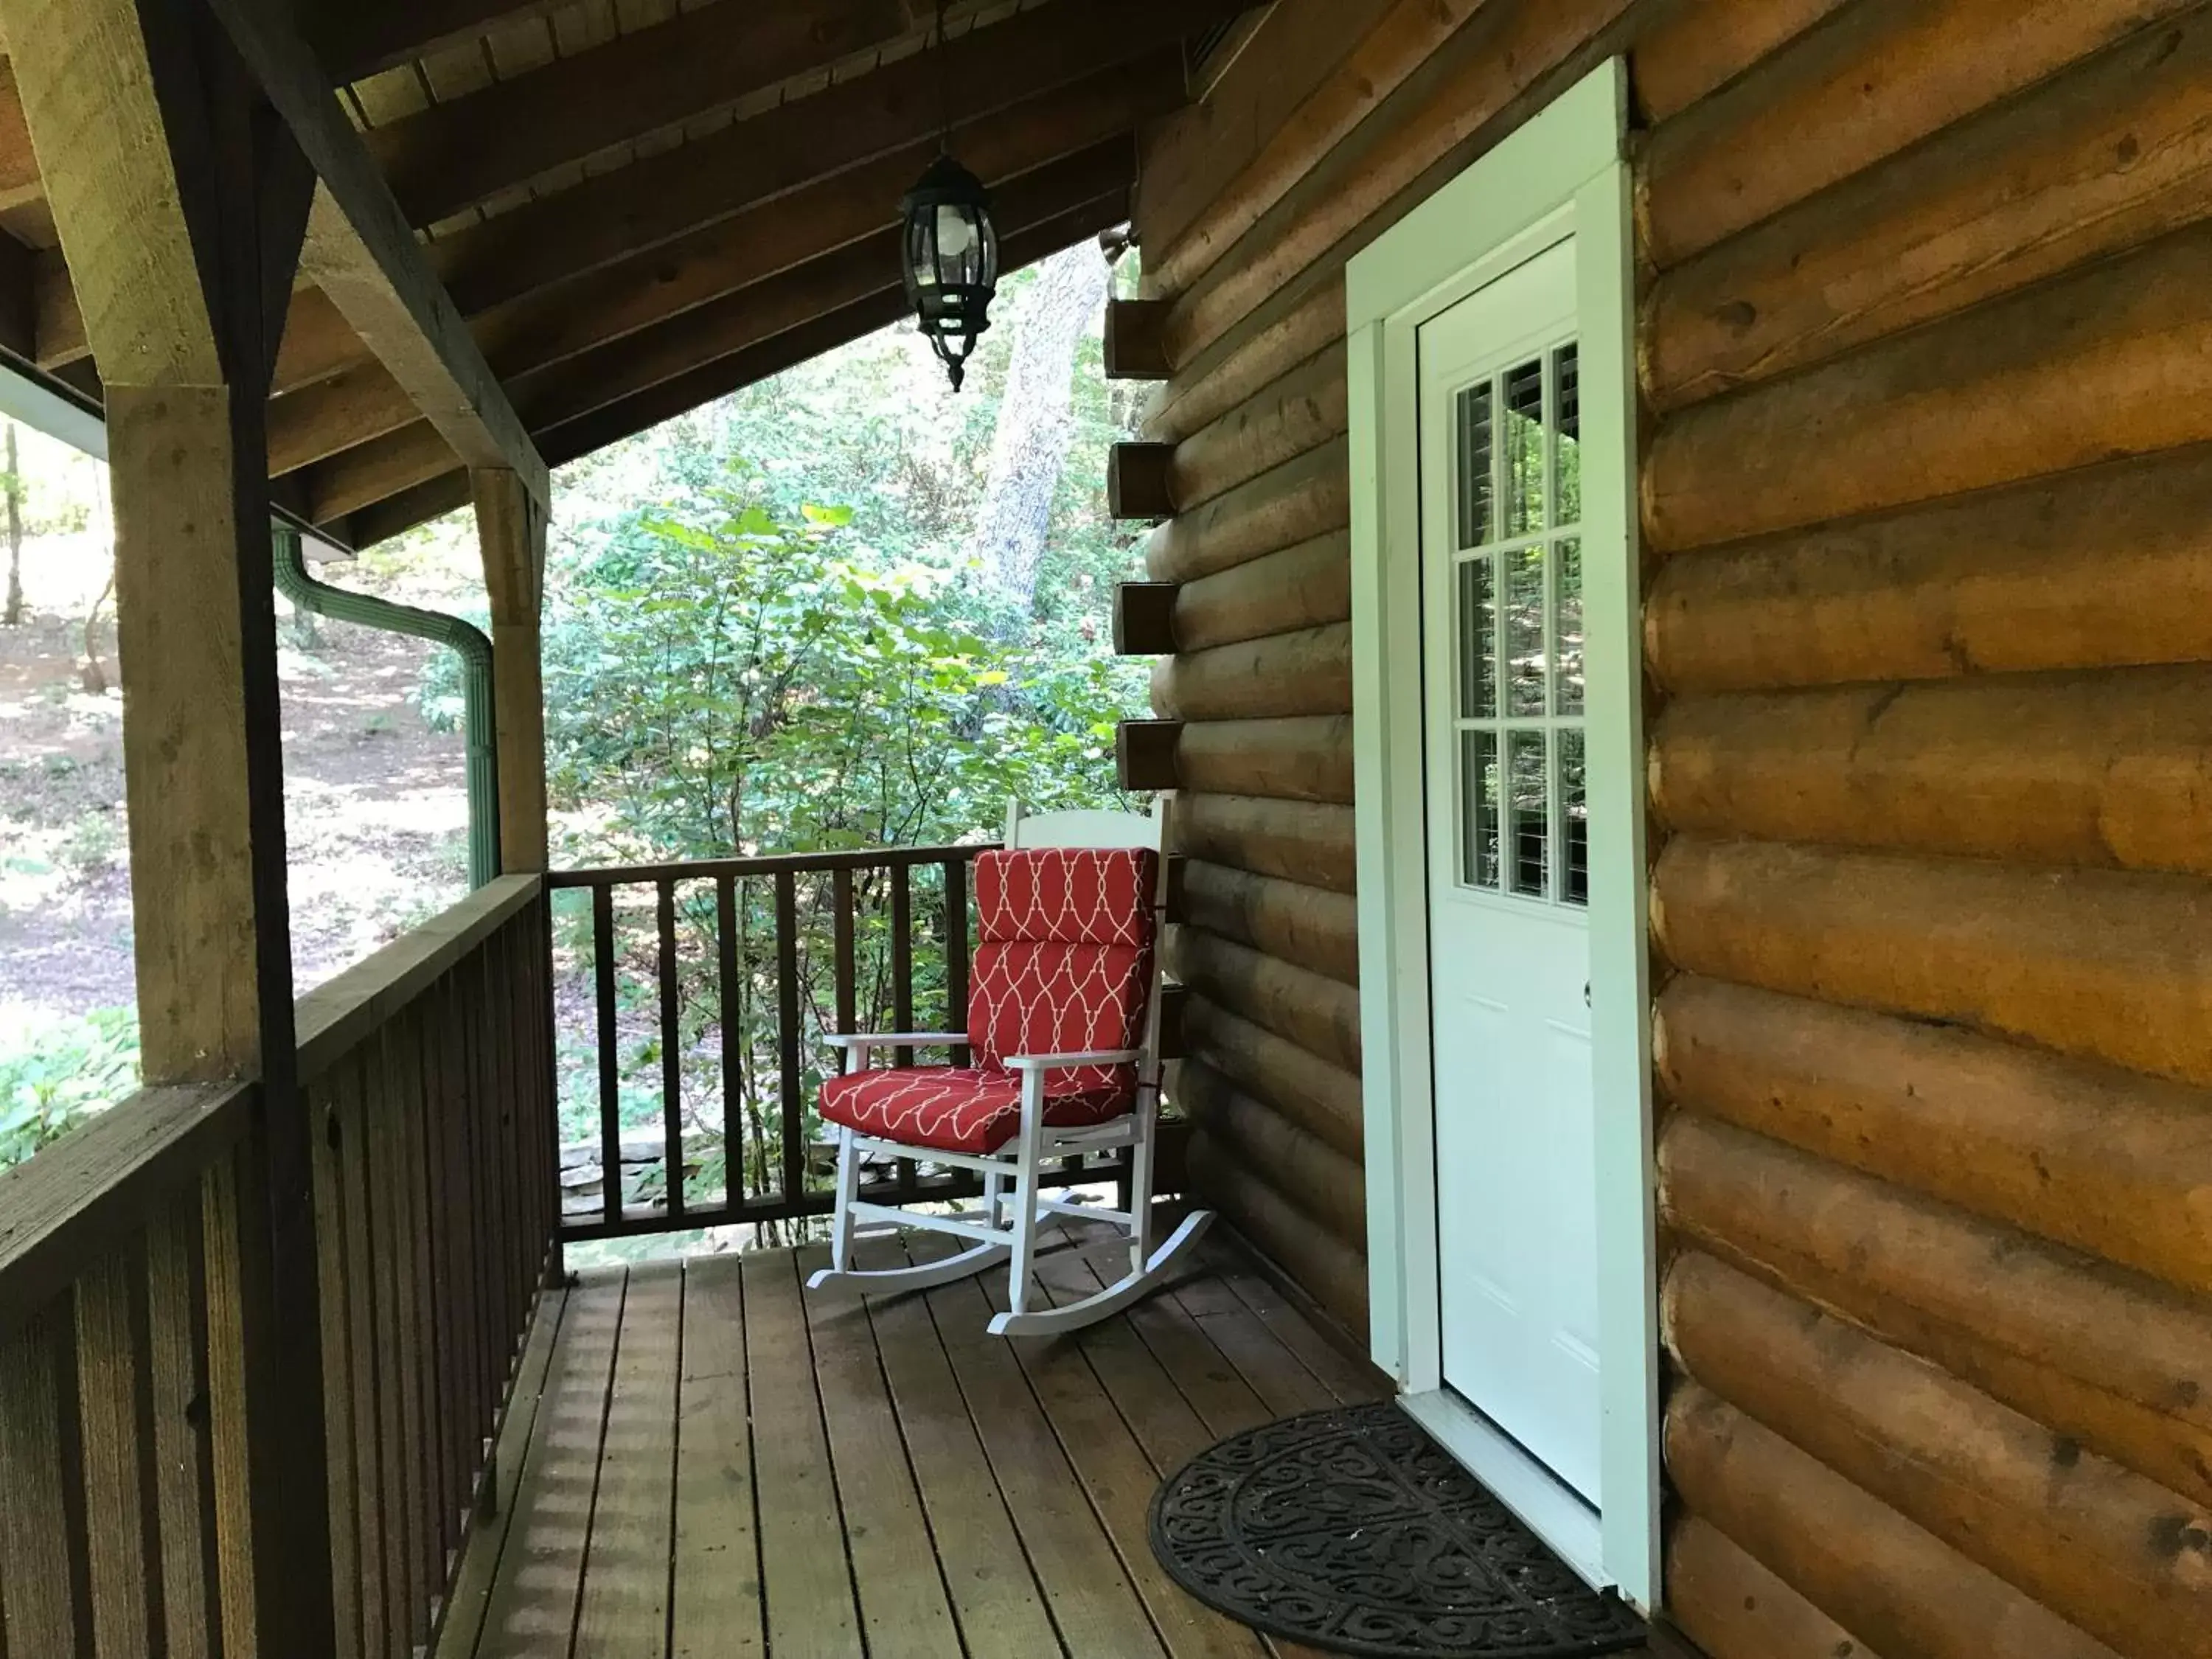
x: 1352, y: 1530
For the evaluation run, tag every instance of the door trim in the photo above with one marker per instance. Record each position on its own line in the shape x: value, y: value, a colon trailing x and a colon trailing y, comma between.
x: 1562, y: 174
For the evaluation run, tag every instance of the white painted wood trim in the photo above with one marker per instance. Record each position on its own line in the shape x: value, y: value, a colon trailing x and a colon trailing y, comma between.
x: 1551, y: 1510
x: 1562, y: 174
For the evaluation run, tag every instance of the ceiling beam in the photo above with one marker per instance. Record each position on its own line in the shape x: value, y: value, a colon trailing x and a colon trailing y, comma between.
x: 364, y: 257
x: 451, y: 156
x: 650, y: 202
x: 434, y: 494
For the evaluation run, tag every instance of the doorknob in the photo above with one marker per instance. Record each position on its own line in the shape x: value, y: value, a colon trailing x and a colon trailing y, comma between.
x: 1586, y: 1002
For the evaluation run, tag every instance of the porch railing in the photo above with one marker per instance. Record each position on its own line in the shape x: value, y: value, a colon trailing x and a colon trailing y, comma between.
x: 692, y: 1001
x: 138, y: 1394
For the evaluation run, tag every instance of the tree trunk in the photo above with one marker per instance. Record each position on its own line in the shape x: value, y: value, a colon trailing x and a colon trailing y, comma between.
x: 14, y: 615
x: 1035, y: 421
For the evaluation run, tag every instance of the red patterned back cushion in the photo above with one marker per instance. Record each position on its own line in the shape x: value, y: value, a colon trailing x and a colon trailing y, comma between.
x: 1066, y: 962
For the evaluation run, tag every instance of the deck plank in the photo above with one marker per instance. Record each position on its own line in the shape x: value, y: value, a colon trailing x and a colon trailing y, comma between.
x: 1091, y: 1601
x: 624, y: 1611
x: 533, y: 1613
x: 805, y: 1571
x: 995, y: 1596
x: 1271, y: 1370
x: 1335, y: 1369
x: 903, y: 1610
x: 1117, y: 1474
x: 718, y: 1611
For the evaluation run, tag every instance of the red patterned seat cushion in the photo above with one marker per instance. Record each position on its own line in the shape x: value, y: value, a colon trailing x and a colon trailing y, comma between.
x: 964, y: 1109
x: 1064, y: 967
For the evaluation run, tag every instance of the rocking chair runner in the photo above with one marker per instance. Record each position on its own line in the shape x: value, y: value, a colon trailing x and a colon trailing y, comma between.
x: 1063, y: 1019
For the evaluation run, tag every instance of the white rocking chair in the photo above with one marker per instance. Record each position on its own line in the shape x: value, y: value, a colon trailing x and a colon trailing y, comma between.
x: 1063, y: 1017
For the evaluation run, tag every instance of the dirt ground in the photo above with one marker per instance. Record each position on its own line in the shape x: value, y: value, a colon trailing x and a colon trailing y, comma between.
x: 376, y: 803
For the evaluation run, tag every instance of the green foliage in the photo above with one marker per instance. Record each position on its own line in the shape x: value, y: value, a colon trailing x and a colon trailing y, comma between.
x: 63, y: 1075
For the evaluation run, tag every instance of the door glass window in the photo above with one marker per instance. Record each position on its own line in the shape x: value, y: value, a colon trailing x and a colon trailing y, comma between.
x: 1523, y: 796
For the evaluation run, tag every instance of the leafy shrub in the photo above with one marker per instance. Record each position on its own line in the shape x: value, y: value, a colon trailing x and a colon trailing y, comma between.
x: 58, y: 1076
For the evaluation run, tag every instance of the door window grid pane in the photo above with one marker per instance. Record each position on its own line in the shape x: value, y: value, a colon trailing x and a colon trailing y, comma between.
x: 1574, y: 819
x: 1478, y: 639
x: 1478, y: 849
x: 1567, y: 440
x: 1477, y: 465
x: 1528, y: 811
x: 1524, y: 629
x: 1523, y: 448
x: 1567, y: 670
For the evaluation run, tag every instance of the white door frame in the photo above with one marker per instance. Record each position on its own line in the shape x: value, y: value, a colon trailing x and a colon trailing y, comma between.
x: 1562, y: 174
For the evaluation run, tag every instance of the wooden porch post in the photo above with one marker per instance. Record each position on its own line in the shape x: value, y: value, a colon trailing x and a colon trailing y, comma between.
x: 181, y: 203
x: 511, y: 528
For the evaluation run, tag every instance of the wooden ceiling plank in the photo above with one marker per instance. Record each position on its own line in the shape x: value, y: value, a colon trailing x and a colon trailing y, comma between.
x: 785, y: 149
x: 363, y: 255
x: 454, y: 155
x: 355, y: 38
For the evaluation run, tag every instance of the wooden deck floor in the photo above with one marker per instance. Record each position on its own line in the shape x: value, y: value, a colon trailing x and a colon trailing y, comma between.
x: 722, y: 1466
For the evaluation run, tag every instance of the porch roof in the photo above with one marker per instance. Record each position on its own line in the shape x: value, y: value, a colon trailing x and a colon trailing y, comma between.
x: 638, y: 206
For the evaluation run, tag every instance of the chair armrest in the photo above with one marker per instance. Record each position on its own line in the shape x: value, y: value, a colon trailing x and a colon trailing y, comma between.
x: 1057, y: 1062
x: 895, y: 1039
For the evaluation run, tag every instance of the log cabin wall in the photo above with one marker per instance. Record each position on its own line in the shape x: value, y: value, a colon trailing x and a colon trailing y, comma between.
x: 1926, y: 345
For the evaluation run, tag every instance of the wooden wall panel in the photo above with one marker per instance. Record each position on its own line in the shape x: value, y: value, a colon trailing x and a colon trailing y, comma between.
x: 1928, y: 480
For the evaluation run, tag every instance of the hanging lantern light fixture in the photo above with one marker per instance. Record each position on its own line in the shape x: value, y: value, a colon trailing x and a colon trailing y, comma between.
x: 951, y: 246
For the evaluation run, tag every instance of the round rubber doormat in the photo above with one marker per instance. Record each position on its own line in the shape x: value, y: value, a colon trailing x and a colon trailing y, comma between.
x: 1352, y: 1530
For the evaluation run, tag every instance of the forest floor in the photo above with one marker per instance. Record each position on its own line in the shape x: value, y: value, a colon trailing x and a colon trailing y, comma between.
x: 376, y: 804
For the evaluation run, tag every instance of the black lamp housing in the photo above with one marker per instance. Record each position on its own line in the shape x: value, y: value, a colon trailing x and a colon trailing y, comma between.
x: 951, y: 261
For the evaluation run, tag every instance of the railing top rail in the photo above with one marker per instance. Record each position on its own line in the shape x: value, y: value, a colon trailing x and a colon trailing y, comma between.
x: 774, y: 864
x: 91, y: 1189
x: 337, y: 1018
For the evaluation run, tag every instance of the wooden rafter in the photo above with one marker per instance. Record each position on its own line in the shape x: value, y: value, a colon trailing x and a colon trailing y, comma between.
x: 364, y: 257
x: 453, y: 155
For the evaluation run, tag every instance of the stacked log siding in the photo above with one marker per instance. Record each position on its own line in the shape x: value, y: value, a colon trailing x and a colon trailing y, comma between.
x: 1925, y: 342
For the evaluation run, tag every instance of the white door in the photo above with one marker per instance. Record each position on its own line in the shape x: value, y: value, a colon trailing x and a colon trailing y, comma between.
x: 1508, y: 862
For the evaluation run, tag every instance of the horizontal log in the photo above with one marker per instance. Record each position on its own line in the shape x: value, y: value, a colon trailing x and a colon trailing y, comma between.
x: 1310, y: 926
x: 1138, y: 481
x: 2112, y: 360
x: 1307, y: 586
x: 1307, y: 758
x: 2105, y: 1160
x: 1891, y: 1583
x: 2098, y: 569
x: 2108, y: 965
x: 1308, y: 672
x: 2116, y: 1351
x: 1296, y: 502
x: 1134, y: 349
x: 1331, y: 1272
x: 1320, y: 1015
x: 1301, y: 412
x: 1145, y: 755
x: 1877, y: 80
x: 1497, y: 68
x: 1692, y: 52
x: 2108, y: 769
x: 1144, y: 618
x: 1214, y: 385
x: 2104, y: 1548
x: 1299, y: 841
x: 2106, y: 157
x: 1734, y: 1608
x: 1398, y: 45
x: 1320, y: 1182
x: 1322, y: 1099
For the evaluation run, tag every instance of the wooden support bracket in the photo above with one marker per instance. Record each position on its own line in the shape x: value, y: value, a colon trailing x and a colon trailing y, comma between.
x: 1145, y: 754
x: 1139, y: 481
x: 1144, y: 619
x: 1175, y: 1006
x: 1136, y: 340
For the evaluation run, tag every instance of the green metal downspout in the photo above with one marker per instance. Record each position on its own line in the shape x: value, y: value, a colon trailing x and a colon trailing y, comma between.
x: 474, y: 650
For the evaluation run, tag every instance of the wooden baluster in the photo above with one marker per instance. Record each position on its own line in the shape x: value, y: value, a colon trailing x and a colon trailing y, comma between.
x: 847, y: 973
x: 403, y: 1070
x: 956, y: 953
x: 903, y: 989
x: 114, y: 1519
x: 786, y: 1008
x: 42, y: 1587
x: 672, y: 1052
x: 603, y: 959
x: 734, y: 1067
x: 338, y: 1406
x: 184, y: 1478
x: 443, y: 1191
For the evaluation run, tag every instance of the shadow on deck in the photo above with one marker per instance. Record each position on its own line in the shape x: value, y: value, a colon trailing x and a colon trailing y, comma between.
x: 720, y: 1464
